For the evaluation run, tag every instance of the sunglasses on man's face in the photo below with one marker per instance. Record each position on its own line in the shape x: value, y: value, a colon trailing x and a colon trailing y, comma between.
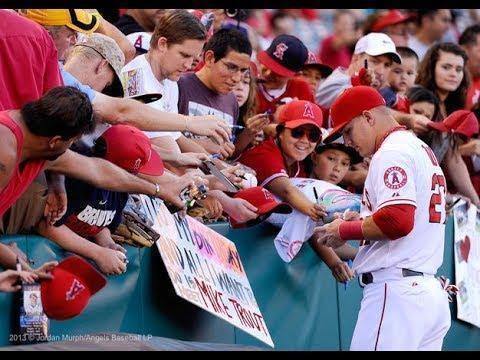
x: 313, y: 134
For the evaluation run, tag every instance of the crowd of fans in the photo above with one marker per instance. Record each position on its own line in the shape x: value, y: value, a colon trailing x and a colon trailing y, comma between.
x: 93, y: 109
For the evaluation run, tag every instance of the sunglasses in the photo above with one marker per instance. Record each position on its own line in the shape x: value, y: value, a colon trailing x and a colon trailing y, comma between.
x: 313, y: 134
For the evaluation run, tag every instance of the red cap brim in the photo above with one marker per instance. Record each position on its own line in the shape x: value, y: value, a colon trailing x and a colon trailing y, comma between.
x: 92, y: 278
x: 154, y: 166
x: 440, y: 126
x: 292, y: 124
x: 266, y: 60
x: 334, y: 134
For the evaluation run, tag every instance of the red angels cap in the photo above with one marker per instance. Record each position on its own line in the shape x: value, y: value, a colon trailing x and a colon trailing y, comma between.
x: 129, y: 148
x: 68, y: 293
x: 350, y: 104
x: 392, y: 17
x: 300, y: 112
x: 264, y: 201
x: 313, y: 62
x: 462, y: 122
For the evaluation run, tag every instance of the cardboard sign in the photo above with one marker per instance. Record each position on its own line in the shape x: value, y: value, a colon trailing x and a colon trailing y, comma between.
x: 206, y: 270
x: 467, y: 262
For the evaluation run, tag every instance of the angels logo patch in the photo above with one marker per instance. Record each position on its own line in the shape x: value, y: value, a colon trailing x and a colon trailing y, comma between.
x: 395, y: 177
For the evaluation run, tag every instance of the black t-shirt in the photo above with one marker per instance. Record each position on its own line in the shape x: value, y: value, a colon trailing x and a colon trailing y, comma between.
x: 127, y: 25
x: 91, y: 209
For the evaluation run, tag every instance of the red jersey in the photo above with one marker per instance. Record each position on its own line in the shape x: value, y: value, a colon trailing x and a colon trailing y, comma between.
x: 296, y: 87
x: 334, y: 58
x: 28, y: 61
x: 473, y: 93
x: 21, y: 179
x: 267, y: 160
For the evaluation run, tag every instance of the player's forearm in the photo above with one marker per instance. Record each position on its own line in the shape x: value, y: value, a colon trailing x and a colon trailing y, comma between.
x: 68, y: 240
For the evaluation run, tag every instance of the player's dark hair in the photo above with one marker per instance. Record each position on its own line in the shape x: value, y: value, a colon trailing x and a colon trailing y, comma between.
x: 63, y: 111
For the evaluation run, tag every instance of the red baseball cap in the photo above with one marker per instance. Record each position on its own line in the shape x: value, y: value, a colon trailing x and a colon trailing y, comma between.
x: 300, y: 112
x: 67, y: 294
x: 392, y: 17
x: 264, y: 201
x: 129, y: 148
x: 312, y: 61
x: 350, y: 104
x: 462, y: 122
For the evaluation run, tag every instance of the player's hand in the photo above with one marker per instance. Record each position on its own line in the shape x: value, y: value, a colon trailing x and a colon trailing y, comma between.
x: 55, y: 207
x: 342, y: 272
x: 418, y: 123
x: 328, y: 234
x: 349, y: 215
x: 211, y: 126
x: 256, y: 123
x: 316, y: 212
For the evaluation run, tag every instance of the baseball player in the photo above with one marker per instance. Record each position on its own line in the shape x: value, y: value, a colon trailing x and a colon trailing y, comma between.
x: 401, y: 229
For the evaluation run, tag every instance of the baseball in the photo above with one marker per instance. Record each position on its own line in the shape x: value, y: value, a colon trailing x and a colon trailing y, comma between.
x: 249, y: 181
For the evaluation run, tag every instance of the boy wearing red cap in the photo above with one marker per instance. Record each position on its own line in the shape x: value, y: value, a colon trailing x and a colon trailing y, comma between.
x: 401, y: 230
x: 277, y: 159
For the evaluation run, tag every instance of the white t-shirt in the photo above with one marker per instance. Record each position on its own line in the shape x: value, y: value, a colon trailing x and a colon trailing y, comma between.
x: 298, y: 227
x: 419, y: 47
x: 138, y: 78
x: 405, y: 171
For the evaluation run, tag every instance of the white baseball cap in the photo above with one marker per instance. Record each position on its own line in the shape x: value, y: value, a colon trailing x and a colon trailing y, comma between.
x: 376, y: 44
x: 141, y: 41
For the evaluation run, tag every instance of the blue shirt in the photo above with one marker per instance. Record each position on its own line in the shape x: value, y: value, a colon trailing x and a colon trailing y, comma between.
x: 70, y: 80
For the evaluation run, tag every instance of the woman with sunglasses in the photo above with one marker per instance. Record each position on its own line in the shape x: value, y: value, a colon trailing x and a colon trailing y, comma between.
x: 278, y: 159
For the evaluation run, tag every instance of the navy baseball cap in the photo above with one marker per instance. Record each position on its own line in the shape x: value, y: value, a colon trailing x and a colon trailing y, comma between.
x: 285, y: 56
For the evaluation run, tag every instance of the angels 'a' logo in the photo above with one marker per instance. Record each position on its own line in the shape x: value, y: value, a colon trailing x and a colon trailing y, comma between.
x: 76, y: 288
x: 137, y: 164
x: 312, y: 59
x: 279, y: 50
x: 308, y: 112
x: 267, y: 194
x: 395, y: 177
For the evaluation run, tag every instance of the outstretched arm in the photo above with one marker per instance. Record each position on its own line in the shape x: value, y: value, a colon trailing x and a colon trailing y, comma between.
x: 100, y: 173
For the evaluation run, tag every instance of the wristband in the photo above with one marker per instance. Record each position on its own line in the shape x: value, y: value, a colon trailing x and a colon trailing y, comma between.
x: 351, y: 230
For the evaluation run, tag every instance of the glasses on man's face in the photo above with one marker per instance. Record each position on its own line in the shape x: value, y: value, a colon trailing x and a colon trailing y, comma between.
x: 313, y: 134
x: 233, y: 69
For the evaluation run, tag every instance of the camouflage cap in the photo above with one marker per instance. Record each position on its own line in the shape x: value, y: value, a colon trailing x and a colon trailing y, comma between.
x: 110, y: 51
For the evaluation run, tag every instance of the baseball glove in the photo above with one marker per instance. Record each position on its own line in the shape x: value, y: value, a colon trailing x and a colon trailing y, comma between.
x: 135, y: 228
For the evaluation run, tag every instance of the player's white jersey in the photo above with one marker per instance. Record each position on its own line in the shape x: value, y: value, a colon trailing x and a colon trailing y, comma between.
x: 405, y: 171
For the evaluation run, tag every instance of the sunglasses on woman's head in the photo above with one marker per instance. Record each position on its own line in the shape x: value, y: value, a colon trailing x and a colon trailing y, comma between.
x: 313, y: 134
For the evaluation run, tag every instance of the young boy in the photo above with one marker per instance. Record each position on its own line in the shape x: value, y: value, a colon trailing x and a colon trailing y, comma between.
x: 330, y: 163
x: 401, y: 78
x: 314, y: 72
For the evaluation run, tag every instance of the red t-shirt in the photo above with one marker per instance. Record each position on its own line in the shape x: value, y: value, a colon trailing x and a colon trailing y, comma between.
x: 334, y: 58
x: 473, y: 93
x: 28, y: 61
x: 21, y: 179
x: 267, y: 160
x: 296, y: 87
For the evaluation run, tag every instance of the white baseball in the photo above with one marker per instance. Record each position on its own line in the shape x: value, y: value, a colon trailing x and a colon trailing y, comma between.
x: 249, y: 181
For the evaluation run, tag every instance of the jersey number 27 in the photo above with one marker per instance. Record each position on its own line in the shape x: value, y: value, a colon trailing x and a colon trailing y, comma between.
x: 439, y: 188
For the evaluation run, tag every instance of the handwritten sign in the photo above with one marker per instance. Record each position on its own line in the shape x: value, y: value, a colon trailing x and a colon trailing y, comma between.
x: 467, y: 263
x: 206, y: 270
